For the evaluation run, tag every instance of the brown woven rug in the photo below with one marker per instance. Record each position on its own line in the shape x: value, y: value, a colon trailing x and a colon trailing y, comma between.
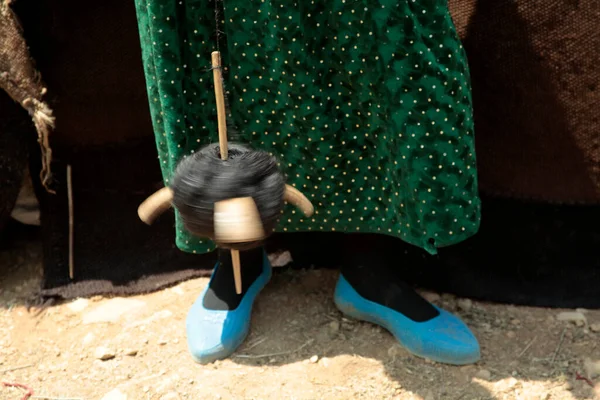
x: 536, y: 89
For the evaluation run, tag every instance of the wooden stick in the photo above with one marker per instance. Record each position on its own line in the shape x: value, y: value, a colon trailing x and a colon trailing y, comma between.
x: 221, y: 114
x: 224, y: 150
x: 237, y: 270
x: 71, y: 223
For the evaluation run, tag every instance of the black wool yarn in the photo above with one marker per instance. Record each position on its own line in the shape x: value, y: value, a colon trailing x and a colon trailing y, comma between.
x: 203, y: 178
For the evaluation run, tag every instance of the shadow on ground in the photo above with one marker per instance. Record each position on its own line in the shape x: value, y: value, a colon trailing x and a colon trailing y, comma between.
x: 20, y: 265
x: 514, y: 351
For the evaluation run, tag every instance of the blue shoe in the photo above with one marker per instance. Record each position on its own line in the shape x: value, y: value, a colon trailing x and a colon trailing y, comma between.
x: 445, y: 338
x: 214, y: 334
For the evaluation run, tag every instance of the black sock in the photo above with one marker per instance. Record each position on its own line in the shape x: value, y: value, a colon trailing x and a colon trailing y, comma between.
x: 221, y: 293
x: 375, y: 277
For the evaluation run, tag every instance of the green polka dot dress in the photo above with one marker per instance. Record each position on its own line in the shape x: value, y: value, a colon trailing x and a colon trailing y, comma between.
x: 366, y: 104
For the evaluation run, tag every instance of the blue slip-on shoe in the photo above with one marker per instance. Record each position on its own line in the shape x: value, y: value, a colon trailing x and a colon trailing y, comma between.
x: 215, y: 334
x: 444, y: 338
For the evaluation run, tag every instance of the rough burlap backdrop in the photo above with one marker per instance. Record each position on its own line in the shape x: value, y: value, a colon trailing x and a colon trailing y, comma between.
x: 22, y: 82
x: 536, y: 88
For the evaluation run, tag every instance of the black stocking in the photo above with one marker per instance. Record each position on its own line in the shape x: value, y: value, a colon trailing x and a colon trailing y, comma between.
x: 376, y: 277
x: 221, y: 293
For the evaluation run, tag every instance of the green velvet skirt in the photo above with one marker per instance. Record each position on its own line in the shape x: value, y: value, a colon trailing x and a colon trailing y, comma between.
x: 366, y: 104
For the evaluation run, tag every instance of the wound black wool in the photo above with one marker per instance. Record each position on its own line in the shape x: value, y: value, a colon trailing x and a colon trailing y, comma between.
x: 202, y: 179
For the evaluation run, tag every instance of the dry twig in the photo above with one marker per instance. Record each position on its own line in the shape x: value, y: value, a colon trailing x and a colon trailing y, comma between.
x: 562, y: 337
x: 527, y: 347
x: 15, y: 368
x: 274, y: 354
x: 256, y: 343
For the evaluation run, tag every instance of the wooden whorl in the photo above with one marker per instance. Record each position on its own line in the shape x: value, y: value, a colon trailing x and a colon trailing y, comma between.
x: 237, y: 221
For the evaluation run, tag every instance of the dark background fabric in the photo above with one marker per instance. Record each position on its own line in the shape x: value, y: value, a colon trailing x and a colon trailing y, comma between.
x: 536, y: 90
x: 535, y: 93
x: 16, y: 133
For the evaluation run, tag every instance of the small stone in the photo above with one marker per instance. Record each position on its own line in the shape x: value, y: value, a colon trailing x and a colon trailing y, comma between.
x: 569, y: 334
x: 131, y: 352
x: 170, y: 396
x: 280, y: 259
x: 595, y: 327
x: 145, y: 389
x: 162, y: 342
x: 448, y: 297
x: 78, y: 305
x: 515, y: 322
x: 104, y: 353
x: 465, y: 304
x: 395, y: 351
x: 347, y: 325
x: 88, y: 339
x: 568, y: 386
x: 334, y: 327
x: 431, y: 297
x: 483, y: 374
x: 592, y: 368
x: 314, y: 359
x: 428, y: 395
x: 511, y: 334
x: 112, y: 310
x: 572, y: 316
x: 178, y: 290
x: 115, y: 394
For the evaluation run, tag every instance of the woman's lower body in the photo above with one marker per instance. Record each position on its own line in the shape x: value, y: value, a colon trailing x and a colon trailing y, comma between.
x: 368, y: 108
x: 368, y: 289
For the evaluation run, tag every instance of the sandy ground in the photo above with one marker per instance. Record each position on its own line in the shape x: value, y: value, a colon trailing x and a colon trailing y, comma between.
x: 300, y: 347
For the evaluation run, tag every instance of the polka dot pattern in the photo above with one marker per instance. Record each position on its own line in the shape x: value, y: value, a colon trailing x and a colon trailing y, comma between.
x: 366, y: 105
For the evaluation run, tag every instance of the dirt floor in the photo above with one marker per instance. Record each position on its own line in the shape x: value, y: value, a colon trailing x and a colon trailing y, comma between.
x: 300, y: 347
